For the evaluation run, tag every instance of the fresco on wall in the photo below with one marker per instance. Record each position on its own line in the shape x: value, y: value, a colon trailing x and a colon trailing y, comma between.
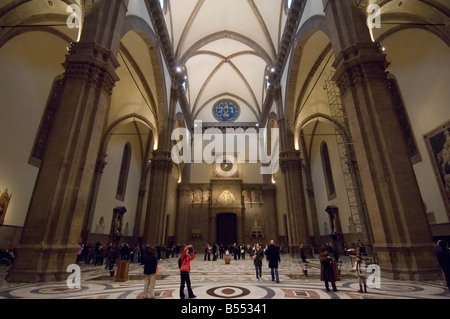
x: 226, y: 198
x: 439, y: 148
x: 260, y: 197
x: 246, y: 196
x: 256, y: 196
x: 206, y: 197
x: 198, y: 197
x: 253, y: 196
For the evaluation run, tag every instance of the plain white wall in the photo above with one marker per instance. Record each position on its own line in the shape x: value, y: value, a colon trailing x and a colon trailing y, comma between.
x: 29, y: 64
x: 421, y: 63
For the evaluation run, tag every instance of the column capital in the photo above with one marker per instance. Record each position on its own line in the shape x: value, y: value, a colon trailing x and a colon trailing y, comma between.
x: 162, y: 161
x: 359, y: 62
x: 101, y: 164
x: 290, y: 160
x: 93, y: 64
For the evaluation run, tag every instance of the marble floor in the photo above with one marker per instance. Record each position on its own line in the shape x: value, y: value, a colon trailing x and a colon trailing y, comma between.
x: 216, y: 280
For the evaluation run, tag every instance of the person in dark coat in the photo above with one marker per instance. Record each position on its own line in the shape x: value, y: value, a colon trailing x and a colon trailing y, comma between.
x: 150, y: 264
x: 443, y: 257
x: 273, y: 257
x: 258, y: 256
x: 302, y: 253
x: 328, y: 269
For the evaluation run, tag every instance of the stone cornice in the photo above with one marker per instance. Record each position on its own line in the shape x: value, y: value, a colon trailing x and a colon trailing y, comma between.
x: 226, y: 181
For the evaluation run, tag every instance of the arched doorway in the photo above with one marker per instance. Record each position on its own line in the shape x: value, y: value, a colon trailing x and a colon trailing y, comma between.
x: 226, y: 228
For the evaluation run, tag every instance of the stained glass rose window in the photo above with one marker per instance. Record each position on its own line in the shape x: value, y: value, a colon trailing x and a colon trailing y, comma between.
x: 226, y: 111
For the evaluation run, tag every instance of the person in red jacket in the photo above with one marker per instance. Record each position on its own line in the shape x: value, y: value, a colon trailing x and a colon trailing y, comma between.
x: 187, y: 255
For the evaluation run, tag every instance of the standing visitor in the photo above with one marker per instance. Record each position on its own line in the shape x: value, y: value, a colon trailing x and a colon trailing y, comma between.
x: 328, y: 269
x: 214, y: 251
x: 361, y: 271
x: 80, y: 251
x: 302, y: 253
x: 221, y: 251
x: 258, y: 256
x: 444, y: 261
x: 150, y: 264
x: 235, y: 250
x: 273, y: 257
x: 187, y: 255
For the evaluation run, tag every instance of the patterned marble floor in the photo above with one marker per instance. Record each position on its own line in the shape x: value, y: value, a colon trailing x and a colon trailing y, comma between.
x: 215, y: 279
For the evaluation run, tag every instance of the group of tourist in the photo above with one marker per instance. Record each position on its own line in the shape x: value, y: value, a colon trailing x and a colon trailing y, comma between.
x: 149, y: 256
x: 99, y: 254
x: 215, y: 251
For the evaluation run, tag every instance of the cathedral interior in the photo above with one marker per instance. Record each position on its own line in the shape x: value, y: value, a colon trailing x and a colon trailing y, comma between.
x: 117, y: 117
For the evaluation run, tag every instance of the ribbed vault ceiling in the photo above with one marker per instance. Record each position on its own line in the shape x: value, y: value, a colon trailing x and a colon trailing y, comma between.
x: 226, y: 48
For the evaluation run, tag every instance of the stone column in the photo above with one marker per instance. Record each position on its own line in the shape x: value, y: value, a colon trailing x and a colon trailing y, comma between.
x: 241, y: 235
x: 52, y: 229
x: 212, y: 226
x: 183, y: 203
x: 139, y: 207
x: 291, y: 167
x: 87, y: 224
x: 161, y: 168
x: 298, y: 228
x: 403, y: 242
x: 270, y: 225
x: 309, y: 191
x: 183, y: 194
x: 142, y: 191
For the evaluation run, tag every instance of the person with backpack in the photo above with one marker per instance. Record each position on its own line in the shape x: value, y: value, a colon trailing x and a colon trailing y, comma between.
x: 184, y: 263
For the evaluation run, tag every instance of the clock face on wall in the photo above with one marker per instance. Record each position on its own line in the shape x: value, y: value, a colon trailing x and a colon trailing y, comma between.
x: 227, y: 167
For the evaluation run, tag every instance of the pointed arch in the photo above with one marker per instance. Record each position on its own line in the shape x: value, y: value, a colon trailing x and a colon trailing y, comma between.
x: 307, y: 30
x: 144, y: 31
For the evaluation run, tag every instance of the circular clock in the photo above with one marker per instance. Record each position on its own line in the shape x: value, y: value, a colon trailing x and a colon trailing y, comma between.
x: 227, y: 167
